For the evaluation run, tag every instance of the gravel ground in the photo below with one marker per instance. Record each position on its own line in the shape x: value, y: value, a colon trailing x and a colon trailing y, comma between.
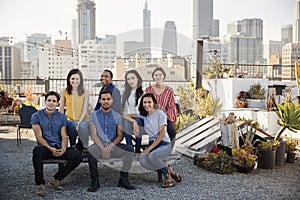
x: 17, y: 179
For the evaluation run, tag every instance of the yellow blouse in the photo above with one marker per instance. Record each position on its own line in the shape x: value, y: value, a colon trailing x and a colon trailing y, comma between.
x: 74, y: 106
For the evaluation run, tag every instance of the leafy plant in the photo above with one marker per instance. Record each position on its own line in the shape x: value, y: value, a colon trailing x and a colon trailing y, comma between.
x: 184, y: 120
x: 206, y: 104
x: 219, y: 163
x: 203, y: 103
x: 291, y: 145
x: 186, y: 97
x: 247, y: 136
x: 268, y: 145
x: 289, y: 117
x: 244, y: 156
x: 257, y: 91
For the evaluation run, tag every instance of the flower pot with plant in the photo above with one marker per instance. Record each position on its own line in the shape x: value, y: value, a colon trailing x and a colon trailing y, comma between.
x: 290, y: 150
x: 267, y: 154
x: 219, y: 163
x: 257, y: 96
x: 244, y: 158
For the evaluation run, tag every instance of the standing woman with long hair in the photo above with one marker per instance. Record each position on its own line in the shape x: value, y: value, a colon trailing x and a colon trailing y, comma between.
x: 74, y: 103
x: 130, y: 101
x: 159, y: 147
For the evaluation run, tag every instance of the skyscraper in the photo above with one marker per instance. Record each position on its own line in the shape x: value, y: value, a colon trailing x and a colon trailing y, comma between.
x: 287, y: 33
x: 147, y: 30
x: 169, y: 44
x: 74, y: 32
x: 216, y: 28
x: 202, y: 18
x: 86, y: 20
x: 296, y: 28
x: 247, y: 27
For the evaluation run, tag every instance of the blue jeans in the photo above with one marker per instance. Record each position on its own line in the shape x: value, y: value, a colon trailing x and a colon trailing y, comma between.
x: 154, y: 159
x: 128, y: 132
x: 83, y: 132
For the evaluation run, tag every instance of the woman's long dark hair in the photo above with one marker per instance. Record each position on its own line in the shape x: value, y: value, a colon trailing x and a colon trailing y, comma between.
x: 141, y: 107
x: 139, y: 90
x: 80, y: 86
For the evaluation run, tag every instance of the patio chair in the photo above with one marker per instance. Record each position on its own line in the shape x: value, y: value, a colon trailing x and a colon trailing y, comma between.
x: 25, y: 113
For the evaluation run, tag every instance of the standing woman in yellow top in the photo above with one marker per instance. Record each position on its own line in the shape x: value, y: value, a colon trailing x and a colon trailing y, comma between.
x: 75, y: 99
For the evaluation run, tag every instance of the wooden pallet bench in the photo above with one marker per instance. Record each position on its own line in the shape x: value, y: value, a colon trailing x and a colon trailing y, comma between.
x: 110, y: 161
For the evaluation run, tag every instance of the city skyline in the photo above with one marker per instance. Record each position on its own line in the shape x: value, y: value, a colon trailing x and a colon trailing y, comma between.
x: 18, y: 18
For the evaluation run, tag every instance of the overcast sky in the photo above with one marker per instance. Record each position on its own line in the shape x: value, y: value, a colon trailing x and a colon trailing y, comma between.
x: 20, y: 17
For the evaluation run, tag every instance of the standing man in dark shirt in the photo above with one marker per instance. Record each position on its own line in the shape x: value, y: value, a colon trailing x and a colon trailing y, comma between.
x: 107, y: 85
x: 50, y: 129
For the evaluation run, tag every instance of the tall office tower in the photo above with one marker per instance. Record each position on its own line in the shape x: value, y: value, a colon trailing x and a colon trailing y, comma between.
x: 74, y: 33
x: 86, y: 20
x: 287, y: 33
x: 216, y: 28
x: 10, y: 60
x: 272, y: 48
x: 169, y: 44
x: 147, y: 30
x: 32, y: 43
x: 247, y: 27
x: 202, y: 18
x: 296, y: 28
x: 245, y: 50
x: 31, y: 51
x: 57, y: 60
x: 97, y: 55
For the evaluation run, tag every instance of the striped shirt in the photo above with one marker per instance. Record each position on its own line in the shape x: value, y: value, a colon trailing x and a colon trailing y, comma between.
x: 166, y: 102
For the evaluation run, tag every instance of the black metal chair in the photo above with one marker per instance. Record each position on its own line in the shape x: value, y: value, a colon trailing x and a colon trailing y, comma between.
x: 25, y: 113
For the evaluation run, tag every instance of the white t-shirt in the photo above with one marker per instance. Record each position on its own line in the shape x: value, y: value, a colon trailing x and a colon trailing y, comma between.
x: 153, y: 122
x: 129, y: 107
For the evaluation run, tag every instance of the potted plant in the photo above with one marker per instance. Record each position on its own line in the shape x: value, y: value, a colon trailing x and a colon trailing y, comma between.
x: 257, y: 96
x: 244, y: 158
x: 219, y: 163
x: 289, y: 118
x: 290, y: 150
x: 267, y: 153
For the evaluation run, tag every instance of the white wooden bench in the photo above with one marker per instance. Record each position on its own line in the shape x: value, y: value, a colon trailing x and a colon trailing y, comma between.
x: 110, y: 161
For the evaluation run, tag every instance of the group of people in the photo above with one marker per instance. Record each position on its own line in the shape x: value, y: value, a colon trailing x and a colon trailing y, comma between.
x: 151, y: 112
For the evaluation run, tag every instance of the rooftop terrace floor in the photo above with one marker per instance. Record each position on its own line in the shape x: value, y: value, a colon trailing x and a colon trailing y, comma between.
x: 17, y: 179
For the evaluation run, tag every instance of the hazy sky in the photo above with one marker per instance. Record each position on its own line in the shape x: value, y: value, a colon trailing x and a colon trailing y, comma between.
x: 20, y: 17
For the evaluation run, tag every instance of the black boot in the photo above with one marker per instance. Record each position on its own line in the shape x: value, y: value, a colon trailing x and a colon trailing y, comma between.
x: 95, y: 185
x: 123, y: 181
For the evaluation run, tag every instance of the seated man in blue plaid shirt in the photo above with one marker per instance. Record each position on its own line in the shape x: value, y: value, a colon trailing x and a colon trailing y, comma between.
x: 107, y: 132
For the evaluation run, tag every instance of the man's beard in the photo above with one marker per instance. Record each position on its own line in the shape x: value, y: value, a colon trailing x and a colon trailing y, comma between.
x: 106, y: 108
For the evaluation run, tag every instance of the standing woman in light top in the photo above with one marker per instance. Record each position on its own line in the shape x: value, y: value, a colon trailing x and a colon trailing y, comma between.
x: 75, y: 99
x: 130, y: 100
x: 155, y: 122
x: 165, y: 99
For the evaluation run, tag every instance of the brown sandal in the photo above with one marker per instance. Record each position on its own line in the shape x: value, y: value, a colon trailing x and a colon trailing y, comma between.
x: 168, y: 184
x: 176, y: 177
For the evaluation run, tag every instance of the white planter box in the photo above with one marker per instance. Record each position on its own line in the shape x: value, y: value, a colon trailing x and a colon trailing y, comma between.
x: 257, y: 103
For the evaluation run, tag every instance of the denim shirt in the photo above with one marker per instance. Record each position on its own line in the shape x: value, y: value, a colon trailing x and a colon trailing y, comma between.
x: 50, y: 126
x: 106, y: 125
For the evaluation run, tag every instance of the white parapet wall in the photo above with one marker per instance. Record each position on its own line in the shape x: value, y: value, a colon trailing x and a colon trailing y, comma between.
x: 228, y: 89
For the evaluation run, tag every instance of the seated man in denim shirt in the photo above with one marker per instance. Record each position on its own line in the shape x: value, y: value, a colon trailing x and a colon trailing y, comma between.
x: 49, y: 126
x: 106, y: 131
